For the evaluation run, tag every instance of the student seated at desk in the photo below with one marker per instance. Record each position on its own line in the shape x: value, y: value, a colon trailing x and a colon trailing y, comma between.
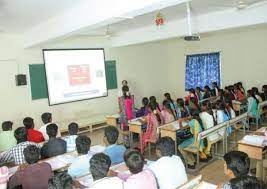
x: 228, y: 95
x: 169, y: 169
x: 3, y: 177
x: 264, y: 92
x: 240, y: 96
x: 215, y: 89
x: 80, y: 166
x: 113, y: 150
x: 208, y: 121
x: 153, y: 100
x: 139, y: 177
x: 229, y: 109
x: 61, y: 181
x: 207, y: 93
x: 222, y: 116
x: 16, y: 153
x: 168, y: 97
x: 167, y: 113
x: 47, y: 119
x: 73, y: 129
x: 246, y: 182
x: 257, y: 94
x: 153, y: 120
x: 33, y: 135
x: 193, y: 104
x: 196, y: 127
x: 7, y: 138
x: 182, y: 110
x: 236, y: 164
x: 198, y: 92
x: 240, y: 85
x: 143, y: 111
x: 99, y: 167
x: 252, y: 104
x: 54, y: 146
x: 32, y: 175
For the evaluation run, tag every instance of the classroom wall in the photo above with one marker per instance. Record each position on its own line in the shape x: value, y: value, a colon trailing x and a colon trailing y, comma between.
x: 151, y: 69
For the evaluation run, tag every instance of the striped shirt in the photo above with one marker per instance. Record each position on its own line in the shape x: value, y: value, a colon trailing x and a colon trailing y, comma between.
x: 16, y: 153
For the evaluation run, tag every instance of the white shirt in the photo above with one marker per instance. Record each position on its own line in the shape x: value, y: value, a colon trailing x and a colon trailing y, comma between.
x: 208, y: 122
x: 169, y: 172
x: 120, y: 94
x: 108, y: 182
x: 43, y: 131
x: 71, y: 142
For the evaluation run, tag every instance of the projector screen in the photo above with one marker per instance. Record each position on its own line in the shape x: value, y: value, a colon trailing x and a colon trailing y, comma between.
x: 74, y: 74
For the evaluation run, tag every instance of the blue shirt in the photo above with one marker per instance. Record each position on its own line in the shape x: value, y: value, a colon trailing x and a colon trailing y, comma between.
x: 80, y: 166
x: 115, y: 152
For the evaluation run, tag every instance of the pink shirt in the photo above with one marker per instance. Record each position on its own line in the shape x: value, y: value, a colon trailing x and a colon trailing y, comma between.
x: 129, y: 108
x: 144, y: 179
x: 167, y: 117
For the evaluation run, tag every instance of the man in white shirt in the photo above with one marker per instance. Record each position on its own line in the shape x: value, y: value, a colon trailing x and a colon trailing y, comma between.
x: 169, y: 169
x: 47, y: 119
x: 99, y: 167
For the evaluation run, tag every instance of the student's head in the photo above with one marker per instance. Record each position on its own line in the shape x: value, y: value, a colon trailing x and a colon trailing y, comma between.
x: 99, y: 166
x: 46, y: 117
x: 51, y: 130
x: 220, y: 92
x: 7, y: 126
x: 246, y: 182
x: 180, y: 102
x: 125, y: 91
x: 73, y: 128
x: 31, y: 154
x: 165, y: 146
x: 198, y: 89
x: 83, y: 144
x: 124, y: 83
x: 166, y: 105
x: 60, y: 180
x: 28, y: 122
x: 236, y: 164
x: 214, y: 84
x: 152, y: 99
x: 220, y: 105
x: 134, y: 161
x: 206, y: 88
x: 21, y: 134
x: 145, y: 101
x: 204, y: 106
x: 250, y: 93
x: 167, y: 96
x: 240, y: 84
x: 255, y: 90
x: 111, y: 135
x: 191, y: 91
x: 264, y: 88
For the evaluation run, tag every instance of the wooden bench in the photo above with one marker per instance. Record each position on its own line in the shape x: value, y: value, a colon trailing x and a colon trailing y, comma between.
x: 86, y: 124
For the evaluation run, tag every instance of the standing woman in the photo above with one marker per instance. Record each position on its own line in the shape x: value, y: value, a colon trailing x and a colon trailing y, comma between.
x: 127, y: 110
x: 120, y: 92
x: 152, y: 120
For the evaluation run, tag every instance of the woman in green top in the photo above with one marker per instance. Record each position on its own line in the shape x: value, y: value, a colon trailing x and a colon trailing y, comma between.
x: 252, y: 104
x: 195, y: 124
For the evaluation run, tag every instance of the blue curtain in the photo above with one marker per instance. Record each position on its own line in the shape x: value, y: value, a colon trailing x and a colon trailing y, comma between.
x: 202, y: 70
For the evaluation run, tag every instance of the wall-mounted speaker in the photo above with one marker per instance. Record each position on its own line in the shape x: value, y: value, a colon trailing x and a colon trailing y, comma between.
x: 21, y: 79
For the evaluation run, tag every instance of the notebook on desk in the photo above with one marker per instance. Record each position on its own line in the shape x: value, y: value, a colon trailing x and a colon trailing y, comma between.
x: 255, y: 140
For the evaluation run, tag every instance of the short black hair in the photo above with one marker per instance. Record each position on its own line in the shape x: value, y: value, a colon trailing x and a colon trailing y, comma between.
x: 46, y: 117
x: 99, y: 165
x: 28, y: 122
x: 166, y: 146
x: 238, y: 162
x: 73, y: 128
x: 60, y: 180
x: 246, y: 182
x: 83, y: 144
x: 31, y: 154
x: 21, y: 134
x: 134, y: 160
x: 52, y: 130
x: 7, y: 125
x: 112, y: 134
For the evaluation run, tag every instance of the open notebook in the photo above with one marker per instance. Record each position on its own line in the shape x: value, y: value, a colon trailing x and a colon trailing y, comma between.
x: 255, y: 140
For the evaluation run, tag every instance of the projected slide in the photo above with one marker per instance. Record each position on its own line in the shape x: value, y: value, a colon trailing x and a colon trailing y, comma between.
x: 74, y: 74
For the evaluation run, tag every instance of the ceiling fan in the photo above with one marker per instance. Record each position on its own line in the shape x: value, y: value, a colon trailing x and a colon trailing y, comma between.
x: 241, y: 4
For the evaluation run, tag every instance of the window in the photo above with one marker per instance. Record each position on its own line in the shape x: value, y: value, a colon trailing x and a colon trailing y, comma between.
x: 202, y: 70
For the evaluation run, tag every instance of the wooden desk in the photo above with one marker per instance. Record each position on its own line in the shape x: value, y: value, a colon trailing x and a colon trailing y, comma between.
x: 170, y: 130
x: 260, y: 131
x: 253, y: 151
x: 113, y: 120
x: 135, y: 126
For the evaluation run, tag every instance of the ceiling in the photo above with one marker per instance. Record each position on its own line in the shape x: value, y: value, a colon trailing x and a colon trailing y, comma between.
x: 18, y: 16
x: 199, y: 7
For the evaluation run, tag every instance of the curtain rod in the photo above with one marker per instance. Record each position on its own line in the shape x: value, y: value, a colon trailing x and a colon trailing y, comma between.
x: 202, y: 53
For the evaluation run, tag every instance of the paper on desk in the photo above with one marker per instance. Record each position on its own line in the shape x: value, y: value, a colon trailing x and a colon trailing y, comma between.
x: 56, y: 164
x: 205, y: 185
x: 254, y: 139
x: 66, y: 158
x: 176, y: 125
x: 86, y: 181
